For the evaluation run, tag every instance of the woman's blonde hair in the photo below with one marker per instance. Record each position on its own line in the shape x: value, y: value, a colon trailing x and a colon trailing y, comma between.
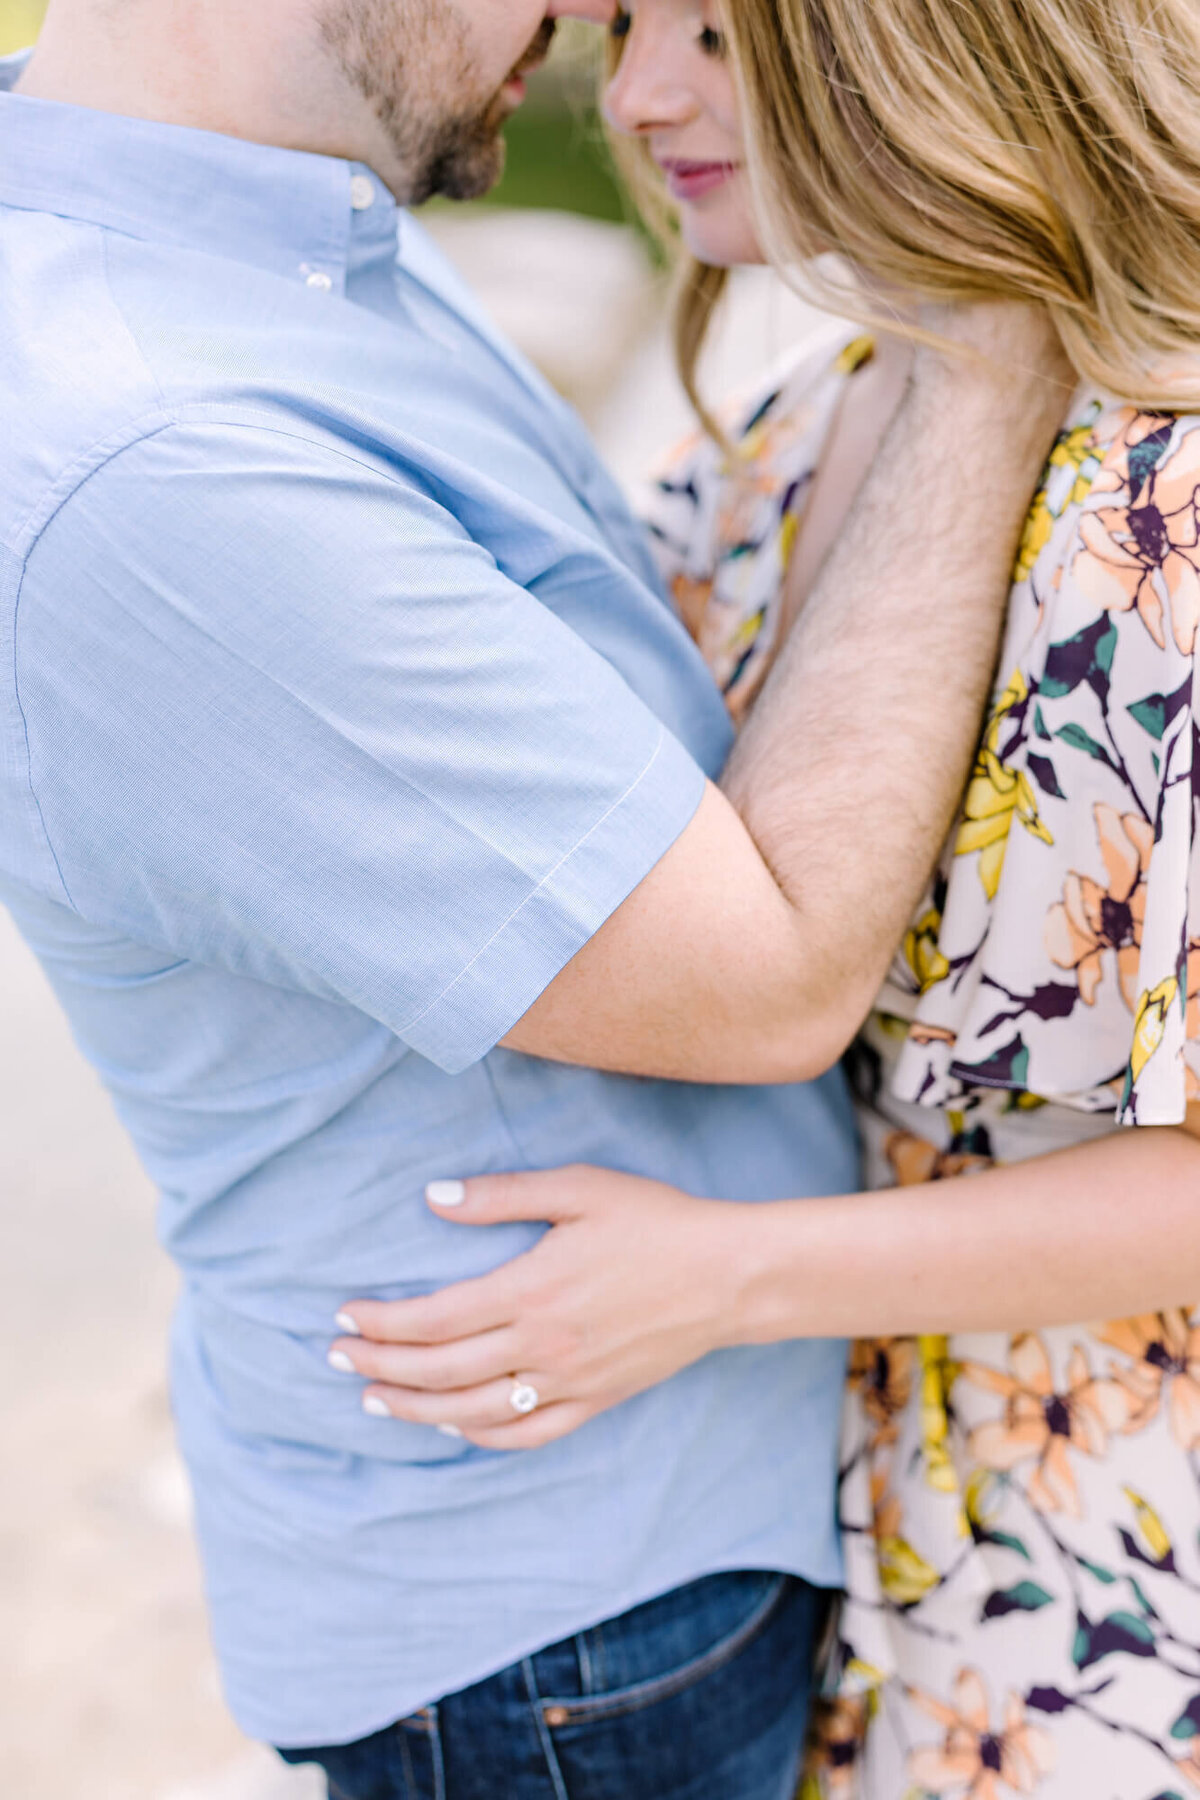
x: 698, y: 286
x: 1036, y: 150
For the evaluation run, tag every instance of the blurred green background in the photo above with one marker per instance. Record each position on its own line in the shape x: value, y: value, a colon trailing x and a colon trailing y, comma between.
x: 556, y: 154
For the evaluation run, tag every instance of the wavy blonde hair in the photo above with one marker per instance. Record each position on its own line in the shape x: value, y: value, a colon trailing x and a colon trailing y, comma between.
x: 1035, y: 150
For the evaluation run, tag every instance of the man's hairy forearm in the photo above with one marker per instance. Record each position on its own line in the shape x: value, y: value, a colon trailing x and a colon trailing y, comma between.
x: 850, y: 772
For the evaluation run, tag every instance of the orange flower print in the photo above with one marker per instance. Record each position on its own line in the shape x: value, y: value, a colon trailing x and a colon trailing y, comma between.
x: 1091, y: 919
x: 838, y: 1730
x: 1190, y: 1766
x: 932, y: 1034
x: 1147, y: 554
x: 692, y: 600
x: 1164, y: 1359
x: 915, y: 1160
x: 1044, y: 1424
x: 1191, y: 1049
x: 973, y: 1760
x: 881, y: 1373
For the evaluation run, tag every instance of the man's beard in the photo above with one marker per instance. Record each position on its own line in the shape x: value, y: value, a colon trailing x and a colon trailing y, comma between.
x: 411, y: 68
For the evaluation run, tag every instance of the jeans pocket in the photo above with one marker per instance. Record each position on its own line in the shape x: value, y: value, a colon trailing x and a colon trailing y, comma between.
x: 727, y: 1719
x: 739, y: 1614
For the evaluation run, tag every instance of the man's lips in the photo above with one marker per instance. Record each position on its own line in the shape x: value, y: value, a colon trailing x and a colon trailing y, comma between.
x: 693, y: 180
x: 533, y: 60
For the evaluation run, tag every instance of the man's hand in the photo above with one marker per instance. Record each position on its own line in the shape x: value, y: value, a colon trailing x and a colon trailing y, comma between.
x: 755, y: 948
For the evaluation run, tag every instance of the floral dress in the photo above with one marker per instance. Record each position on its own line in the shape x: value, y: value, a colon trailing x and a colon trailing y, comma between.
x: 1021, y: 1513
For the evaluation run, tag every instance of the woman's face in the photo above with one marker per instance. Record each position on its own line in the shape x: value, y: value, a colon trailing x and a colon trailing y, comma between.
x: 675, y: 91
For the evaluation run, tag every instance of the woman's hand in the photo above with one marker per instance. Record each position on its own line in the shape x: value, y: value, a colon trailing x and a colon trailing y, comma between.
x: 634, y: 1282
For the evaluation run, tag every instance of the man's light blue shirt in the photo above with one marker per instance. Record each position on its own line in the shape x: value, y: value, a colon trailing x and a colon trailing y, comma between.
x: 339, y: 707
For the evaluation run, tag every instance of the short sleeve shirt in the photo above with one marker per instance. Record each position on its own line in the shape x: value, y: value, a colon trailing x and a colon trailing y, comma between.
x: 339, y: 707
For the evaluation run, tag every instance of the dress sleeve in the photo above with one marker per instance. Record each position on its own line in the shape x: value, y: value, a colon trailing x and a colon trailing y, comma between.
x: 286, y: 717
x: 680, y: 506
x: 1063, y: 960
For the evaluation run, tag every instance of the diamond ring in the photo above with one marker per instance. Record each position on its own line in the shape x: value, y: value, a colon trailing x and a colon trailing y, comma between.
x: 523, y: 1398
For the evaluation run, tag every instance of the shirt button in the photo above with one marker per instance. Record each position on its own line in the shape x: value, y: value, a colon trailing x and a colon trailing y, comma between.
x: 362, y: 193
x: 319, y: 280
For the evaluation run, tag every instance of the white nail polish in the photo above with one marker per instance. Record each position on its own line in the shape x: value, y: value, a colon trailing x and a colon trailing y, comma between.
x: 446, y: 1193
x: 341, y: 1362
x: 346, y: 1324
x: 450, y: 1431
x: 377, y: 1408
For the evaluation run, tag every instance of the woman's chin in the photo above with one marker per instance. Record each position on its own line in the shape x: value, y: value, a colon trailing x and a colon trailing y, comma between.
x: 722, y: 244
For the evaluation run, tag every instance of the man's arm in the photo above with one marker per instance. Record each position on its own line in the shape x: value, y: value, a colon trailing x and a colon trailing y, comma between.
x: 286, y: 716
x: 754, y: 949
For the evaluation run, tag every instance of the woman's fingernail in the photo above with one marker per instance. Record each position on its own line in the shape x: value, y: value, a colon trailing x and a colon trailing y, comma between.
x: 341, y: 1362
x: 446, y: 1193
x: 450, y: 1431
x: 377, y: 1408
x: 345, y: 1323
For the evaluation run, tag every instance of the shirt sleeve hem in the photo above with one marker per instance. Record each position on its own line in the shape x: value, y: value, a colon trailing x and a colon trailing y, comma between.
x: 536, y: 942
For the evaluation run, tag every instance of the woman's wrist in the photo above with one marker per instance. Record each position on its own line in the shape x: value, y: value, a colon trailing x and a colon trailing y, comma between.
x: 764, y: 1268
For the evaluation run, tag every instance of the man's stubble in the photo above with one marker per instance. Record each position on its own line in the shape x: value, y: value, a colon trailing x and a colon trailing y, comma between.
x: 415, y: 66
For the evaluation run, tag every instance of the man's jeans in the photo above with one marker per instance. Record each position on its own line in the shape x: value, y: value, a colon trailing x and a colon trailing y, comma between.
x: 700, y: 1695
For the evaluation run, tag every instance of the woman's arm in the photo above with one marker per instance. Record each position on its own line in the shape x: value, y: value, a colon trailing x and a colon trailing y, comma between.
x: 636, y: 1280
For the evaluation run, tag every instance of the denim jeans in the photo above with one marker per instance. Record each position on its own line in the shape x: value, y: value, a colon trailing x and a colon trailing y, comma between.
x: 700, y: 1695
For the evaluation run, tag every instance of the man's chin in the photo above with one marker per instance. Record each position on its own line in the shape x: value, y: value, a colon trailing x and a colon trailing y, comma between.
x: 462, y: 175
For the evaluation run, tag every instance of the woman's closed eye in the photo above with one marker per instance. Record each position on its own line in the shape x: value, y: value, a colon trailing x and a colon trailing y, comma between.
x: 711, y: 40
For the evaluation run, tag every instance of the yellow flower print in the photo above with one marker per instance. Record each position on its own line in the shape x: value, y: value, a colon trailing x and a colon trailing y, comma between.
x: 996, y: 794
x: 937, y: 1378
x: 855, y: 356
x: 904, y: 1574
x: 1150, y: 1024
x: 1075, y: 451
x: 1154, y: 1532
x: 787, y: 540
x: 978, y: 1494
x: 922, y: 952
x: 1039, y: 528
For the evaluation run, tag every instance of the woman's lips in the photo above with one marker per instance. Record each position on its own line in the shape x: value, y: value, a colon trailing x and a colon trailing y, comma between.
x: 693, y: 180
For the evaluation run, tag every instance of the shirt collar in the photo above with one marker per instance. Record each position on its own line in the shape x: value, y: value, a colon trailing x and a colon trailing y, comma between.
x: 310, y: 218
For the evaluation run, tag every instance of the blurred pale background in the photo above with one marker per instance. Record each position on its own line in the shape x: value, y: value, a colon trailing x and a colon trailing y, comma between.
x: 107, y: 1687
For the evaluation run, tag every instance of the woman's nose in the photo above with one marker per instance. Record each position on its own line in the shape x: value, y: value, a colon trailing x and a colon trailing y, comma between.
x: 646, y: 94
x: 598, y: 12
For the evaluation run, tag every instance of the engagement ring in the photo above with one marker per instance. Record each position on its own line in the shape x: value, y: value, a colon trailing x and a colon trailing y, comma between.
x: 524, y: 1399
